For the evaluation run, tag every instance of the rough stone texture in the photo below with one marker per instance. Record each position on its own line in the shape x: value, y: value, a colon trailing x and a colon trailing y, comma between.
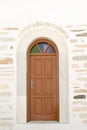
x: 80, y: 91
x: 81, y: 70
x: 79, y: 102
x: 85, y: 121
x: 79, y: 108
x: 82, y: 35
x: 85, y: 65
x: 74, y: 115
x: 78, y: 30
x: 6, y: 124
x: 85, y: 85
x: 80, y: 97
x: 69, y: 26
x: 81, y: 46
x: 82, y: 79
x: 7, y: 79
x: 83, y: 115
x: 80, y: 58
x: 7, y: 39
x: 79, y: 78
x: 6, y: 94
x: 73, y: 40
x: 3, y: 86
x: 6, y: 61
x: 77, y: 51
x: 6, y: 118
x: 75, y: 65
x: 76, y: 87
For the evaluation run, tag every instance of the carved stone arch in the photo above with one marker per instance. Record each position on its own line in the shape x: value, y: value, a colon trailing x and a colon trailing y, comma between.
x: 26, y: 37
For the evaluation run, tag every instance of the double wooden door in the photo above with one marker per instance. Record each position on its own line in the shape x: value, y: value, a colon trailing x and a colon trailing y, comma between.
x: 43, y: 88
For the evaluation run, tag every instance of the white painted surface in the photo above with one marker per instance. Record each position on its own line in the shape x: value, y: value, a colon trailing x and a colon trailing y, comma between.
x: 19, y: 13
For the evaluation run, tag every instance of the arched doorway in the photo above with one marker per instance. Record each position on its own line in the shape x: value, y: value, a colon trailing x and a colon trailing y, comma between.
x: 26, y: 38
x: 42, y: 81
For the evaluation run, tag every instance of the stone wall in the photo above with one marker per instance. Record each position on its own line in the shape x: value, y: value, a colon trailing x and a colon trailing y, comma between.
x: 8, y: 42
x: 78, y: 71
x: 77, y: 42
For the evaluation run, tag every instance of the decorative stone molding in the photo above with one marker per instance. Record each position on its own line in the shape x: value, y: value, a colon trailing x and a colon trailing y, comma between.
x: 43, y: 25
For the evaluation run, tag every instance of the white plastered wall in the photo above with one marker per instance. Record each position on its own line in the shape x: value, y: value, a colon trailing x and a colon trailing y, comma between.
x: 27, y: 36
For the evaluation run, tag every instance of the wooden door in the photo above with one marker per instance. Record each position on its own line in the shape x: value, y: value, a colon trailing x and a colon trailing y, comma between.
x: 43, y: 88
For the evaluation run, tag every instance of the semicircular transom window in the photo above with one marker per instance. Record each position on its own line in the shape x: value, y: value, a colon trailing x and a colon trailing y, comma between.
x: 42, y: 47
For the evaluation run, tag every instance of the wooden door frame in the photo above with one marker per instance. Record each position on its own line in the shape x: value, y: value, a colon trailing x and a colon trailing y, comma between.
x: 28, y: 73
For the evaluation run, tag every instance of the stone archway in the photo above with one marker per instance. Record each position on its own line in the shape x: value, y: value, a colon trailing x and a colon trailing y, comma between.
x: 27, y: 36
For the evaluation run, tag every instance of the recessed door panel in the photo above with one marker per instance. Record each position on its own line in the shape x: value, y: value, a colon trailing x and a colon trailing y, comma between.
x: 48, y: 105
x: 47, y: 66
x: 36, y: 67
x: 38, y: 106
x: 48, y: 87
x: 50, y: 108
x: 44, y: 104
x: 38, y: 87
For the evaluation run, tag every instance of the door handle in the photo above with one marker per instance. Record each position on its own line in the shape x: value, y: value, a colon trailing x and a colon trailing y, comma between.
x: 32, y: 82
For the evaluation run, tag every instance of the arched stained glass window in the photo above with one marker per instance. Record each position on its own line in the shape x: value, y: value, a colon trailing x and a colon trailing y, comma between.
x: 42, y: 47
x: 50, y: 49
x: 34, y: 49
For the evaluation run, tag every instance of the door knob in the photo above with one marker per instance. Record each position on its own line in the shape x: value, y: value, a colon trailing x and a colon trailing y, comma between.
x: 32, y: 82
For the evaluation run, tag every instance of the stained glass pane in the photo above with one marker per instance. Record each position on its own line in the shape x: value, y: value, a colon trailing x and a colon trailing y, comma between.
x: 34, y: 49
x: 43, y: 46
x: 50, y: 49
